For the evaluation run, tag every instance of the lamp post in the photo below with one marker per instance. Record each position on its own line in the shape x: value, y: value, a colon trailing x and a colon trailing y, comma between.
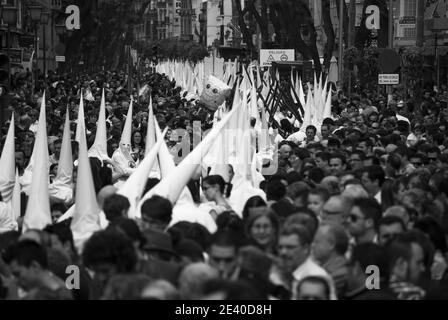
x: 35, y: 15
x: 60, y: 31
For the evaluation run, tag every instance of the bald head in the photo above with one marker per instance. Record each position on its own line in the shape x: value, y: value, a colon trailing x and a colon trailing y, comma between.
x: 331, y: 240
x: 192, y: 278
x: 336, y: 209
x: 398, y: 211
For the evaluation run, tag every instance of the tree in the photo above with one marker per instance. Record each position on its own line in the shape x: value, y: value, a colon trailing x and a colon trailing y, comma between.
x: 104, y: 32
x: 290, y: 18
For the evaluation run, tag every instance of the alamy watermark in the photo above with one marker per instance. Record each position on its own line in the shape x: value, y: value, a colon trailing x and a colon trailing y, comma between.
x: 237, y: 142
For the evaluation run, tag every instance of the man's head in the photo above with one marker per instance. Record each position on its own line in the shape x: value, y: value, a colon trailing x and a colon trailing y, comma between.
x: 336, y: 209
x: 356, y: 159
x: 157, y: 212
x: 223, y: 251
x: 365, y: 255
x: 313, y: 288
x: 406, y: 257
x: 109, y: 252
x: 57, y: 148
x: 293, y: 247
x: 337, y: 164
x: 20, y: 159
x: 322, y: 160
x: 372, y: 179
x: 364, y: 217
x: 388, y: 228
x: 284, y: 151
x: 325, y: 131
x: 27, y: 260
x: 116, y: 206
x: 330, y: 240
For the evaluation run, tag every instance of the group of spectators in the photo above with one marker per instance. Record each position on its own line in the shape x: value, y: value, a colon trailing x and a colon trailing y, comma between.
x: 358, y: 208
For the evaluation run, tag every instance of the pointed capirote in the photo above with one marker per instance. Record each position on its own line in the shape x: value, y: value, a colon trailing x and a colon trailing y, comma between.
x: 307, y: 111
x: 301, y: 93
x: 135, y: 184
x: 127, y: 129
x: 166, y: 161
x: 327, y: 109
x: 80, y: 122
x: 38, y: 214
x: 16, y: 198
x: 99, y: 147
x: 172, y: 185
x: 8, y: 164
x: 65, y: 165
x: 86, y: 213
x: 150, y: 132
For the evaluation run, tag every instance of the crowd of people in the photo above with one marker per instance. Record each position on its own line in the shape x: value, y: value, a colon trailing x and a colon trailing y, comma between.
x: 358, y: 208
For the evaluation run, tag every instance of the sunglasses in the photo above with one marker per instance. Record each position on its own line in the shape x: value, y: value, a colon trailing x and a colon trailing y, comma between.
x: 354, y: 218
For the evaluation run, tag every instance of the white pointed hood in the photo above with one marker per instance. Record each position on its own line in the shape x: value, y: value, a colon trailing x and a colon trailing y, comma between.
x: 150, y: 132
x: 8, y: 164
x: 172, y: 185
x: 80, y: 116
x: 134, y: 186
x: 127, y: 129
x: 99, y: 147
x: 65, y: 165
x: 38, y: 214
x: 16, y: 198
x: 86, y: 215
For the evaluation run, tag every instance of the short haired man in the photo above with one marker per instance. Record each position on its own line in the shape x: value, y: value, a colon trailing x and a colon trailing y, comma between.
x: 336, y: 209
x: 223, y: 251
x: 29, y: 264
x: 363, y: 220
x: 337, y: 164
x: 107, y: 253
x: 313, y: 288
x: 363, y: 256
x: 157, y: 213
x: 295, y: 262
x: 115, y: 206
x: 406, y: 257
x: 372, y: 179
x: 329, y: 247
x: 388, y: 228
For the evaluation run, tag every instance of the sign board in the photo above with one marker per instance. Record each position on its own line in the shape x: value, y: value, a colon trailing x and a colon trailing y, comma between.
x: 269, y: 55
x: 408, y: 20
x: 60, y: 58
x: 388, y: 78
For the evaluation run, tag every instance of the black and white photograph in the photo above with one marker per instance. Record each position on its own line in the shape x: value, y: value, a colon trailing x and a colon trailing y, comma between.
x: 240, y: 151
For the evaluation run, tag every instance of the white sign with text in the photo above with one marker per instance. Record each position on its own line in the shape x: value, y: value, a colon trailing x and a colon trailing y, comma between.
x: 269, y: 55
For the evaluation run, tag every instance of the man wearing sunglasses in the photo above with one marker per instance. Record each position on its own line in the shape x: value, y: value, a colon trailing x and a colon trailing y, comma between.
x: 363, y: 220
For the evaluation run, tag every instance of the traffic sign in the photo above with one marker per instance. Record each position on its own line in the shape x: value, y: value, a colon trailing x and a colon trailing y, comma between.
x: 269, y: 55
x: 60, y: 58
x: 388, y: 78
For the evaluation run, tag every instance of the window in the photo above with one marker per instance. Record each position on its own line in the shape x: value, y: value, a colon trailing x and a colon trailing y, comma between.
x: 410, y: 8
x: 409, y: 32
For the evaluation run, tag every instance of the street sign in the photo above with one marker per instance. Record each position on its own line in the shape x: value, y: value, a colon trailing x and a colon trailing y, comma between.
x: 388, y: 78
x: 267, y: 56
x: 60, y: 58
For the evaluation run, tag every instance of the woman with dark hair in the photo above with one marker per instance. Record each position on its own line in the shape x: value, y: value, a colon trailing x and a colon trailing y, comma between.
x: 253, y: 202
x: 262, y: 228
x: 214, y: 189
x: 137, y: 146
